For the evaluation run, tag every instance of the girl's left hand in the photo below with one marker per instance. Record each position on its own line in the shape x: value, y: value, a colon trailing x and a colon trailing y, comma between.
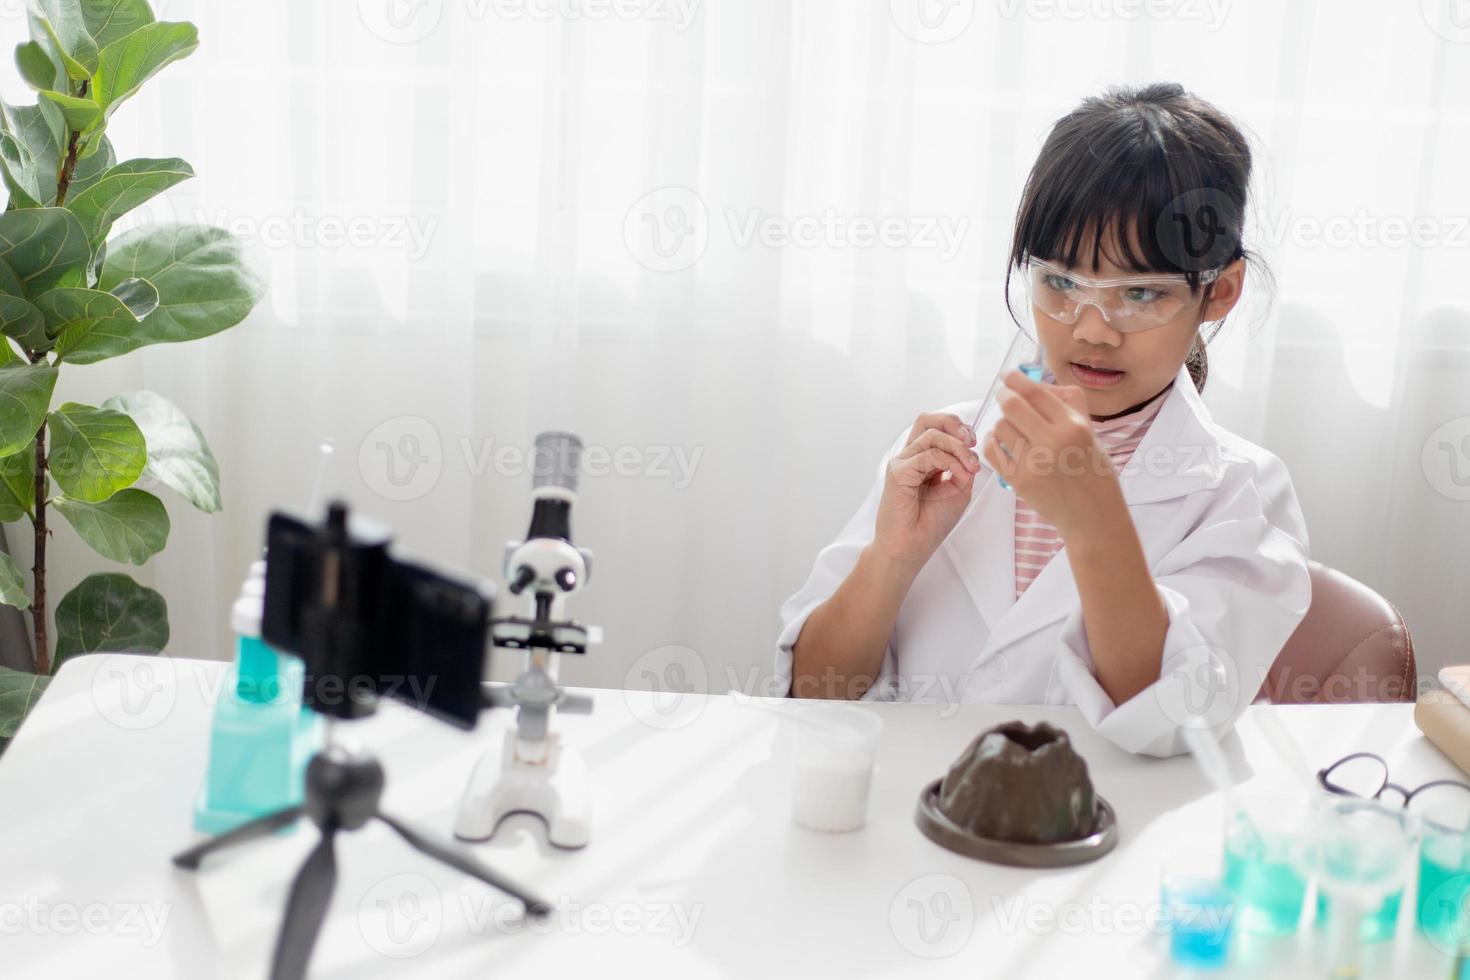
x: 1055, y: 461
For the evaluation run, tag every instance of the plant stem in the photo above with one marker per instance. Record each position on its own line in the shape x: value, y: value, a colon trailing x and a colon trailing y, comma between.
x: 69, y: 165
x: 63, y: 179
x: 38, y: 570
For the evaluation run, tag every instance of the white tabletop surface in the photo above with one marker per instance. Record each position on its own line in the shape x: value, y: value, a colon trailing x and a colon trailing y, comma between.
x: 695, y: 868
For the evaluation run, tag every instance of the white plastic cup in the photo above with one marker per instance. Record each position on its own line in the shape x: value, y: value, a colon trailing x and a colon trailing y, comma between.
x: 832, y: 769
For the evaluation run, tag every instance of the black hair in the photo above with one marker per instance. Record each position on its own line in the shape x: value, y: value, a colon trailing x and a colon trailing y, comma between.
x: 1156, y: 161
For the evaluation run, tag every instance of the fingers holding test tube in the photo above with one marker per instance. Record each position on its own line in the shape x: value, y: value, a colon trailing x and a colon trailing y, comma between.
x: 1045, y: 445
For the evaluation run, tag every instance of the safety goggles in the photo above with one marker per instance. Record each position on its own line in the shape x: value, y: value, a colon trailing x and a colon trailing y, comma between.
x: 1128, y: 304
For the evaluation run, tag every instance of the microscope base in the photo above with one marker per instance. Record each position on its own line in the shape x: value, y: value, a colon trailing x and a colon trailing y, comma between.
x: 557, y: 790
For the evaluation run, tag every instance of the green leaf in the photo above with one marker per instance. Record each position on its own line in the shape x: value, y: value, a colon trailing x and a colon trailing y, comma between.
x: 37, y: 68
x: 86, y: 320
x: 19, y: 691
x: 126, y: 63
x: 139, y: 295
x: 95, y: 272
x: 104, y: 326
x: 95, y: 452
x: 24, y: 322
x: 30, y: 152
x: 178, y: 456
x: 12, y: 583
x: 122, y: 188
x: 18, y: 484
x: 45, y: 248
x: 108, y: 20
x: 53, y: 30
x: 204, y: 285
x: 82, y: 27
x: 129, y: 526
x: 81, y: 114
x: 110, y: 612
x: 25, y: 394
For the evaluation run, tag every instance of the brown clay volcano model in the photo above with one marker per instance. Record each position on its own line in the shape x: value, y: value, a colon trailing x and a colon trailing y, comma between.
x: 1019, y: 795
x: 1017, y: 783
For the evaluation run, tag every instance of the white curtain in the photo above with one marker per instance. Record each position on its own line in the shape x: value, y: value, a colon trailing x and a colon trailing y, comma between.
x: 736, y: 245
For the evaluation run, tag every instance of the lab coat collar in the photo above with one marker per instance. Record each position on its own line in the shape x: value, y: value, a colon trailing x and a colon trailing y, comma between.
x: 1179, y: 454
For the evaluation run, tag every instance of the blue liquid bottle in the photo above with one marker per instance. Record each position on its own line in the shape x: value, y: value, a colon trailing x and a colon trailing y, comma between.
x: 262, y: 735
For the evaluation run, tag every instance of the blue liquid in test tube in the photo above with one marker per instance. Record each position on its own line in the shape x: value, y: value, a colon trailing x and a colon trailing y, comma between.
x: 1200, y: 914
x: 1032, y: 371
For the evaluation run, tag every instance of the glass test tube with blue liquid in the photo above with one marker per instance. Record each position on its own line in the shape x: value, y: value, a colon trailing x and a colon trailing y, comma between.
x: 1023, y: 355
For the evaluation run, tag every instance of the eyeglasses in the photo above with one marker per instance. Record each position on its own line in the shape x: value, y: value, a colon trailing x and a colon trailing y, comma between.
x: 1128, y: 304
x: 1365, y: 775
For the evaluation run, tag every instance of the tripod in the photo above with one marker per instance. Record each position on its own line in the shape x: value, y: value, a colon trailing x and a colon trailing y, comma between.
x: 342, y: 793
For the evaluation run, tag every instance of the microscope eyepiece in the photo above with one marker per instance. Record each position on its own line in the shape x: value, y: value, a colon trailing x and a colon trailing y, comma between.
x: 556, y: 461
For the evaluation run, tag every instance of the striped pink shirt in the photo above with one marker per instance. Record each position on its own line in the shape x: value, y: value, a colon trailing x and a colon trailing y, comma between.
x: 1037, y: 542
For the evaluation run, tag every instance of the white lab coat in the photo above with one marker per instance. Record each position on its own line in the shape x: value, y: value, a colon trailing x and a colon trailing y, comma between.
x: 1223, y: 536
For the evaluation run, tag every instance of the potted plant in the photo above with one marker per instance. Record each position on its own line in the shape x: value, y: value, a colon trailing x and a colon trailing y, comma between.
x: 72, y: 295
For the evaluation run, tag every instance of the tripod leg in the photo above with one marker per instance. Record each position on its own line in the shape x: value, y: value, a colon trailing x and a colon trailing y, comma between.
x: 311, y: 893
x: 258, y: 827
x: 534, y: 906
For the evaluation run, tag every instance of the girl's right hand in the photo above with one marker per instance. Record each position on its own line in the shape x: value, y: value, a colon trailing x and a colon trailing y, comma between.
x: 919, y: 507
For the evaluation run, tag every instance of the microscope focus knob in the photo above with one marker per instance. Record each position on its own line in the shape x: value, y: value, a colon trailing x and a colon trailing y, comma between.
x: 524, y: 577
x: 566, y: 578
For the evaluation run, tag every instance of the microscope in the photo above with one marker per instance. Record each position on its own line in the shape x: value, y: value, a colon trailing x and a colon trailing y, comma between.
x: 532, y: 770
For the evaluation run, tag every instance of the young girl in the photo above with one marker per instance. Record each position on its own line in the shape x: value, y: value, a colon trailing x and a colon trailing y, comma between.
x: 1146, y: 565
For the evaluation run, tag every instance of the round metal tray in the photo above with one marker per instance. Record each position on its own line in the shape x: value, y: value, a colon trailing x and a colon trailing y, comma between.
x: 947, y: 834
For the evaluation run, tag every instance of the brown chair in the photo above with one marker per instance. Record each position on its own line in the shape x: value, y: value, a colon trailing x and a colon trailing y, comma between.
x: 1352, y: 646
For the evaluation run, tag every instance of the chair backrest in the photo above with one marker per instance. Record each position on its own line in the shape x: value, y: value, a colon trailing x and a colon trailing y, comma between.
x: 1352, y: 646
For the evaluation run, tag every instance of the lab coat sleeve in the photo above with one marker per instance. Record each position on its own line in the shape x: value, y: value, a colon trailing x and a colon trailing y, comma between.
x: 833, y: 564
x: 1235, y: 589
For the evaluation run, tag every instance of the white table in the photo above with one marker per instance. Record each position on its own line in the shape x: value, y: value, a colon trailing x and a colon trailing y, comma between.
x: 694, y: 869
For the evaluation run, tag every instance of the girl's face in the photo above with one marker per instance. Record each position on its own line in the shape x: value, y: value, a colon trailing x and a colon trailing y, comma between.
x: 1146, y: 359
